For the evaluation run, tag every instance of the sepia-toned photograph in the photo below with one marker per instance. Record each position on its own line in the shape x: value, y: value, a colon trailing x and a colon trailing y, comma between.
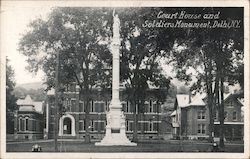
x: 124, y: 79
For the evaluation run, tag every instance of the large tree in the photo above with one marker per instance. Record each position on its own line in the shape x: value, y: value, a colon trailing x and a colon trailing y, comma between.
x: 10, y: 98
x: 140, y: 62
x: 79, y: 36
x: 216, y: 56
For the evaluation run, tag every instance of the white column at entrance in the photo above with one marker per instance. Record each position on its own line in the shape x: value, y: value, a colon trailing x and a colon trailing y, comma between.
x: 115, y: 128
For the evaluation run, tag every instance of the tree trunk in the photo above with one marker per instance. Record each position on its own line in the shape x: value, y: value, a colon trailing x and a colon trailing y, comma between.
x: 216, y: 98
x: 222, y: 112
x: 87, y: 122
x: 211, y: 118
x: 135, y: 135
x: 85, y: 97
x: 210, y: 98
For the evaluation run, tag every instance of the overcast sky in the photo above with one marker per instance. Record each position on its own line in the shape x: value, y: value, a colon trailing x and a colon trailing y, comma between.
x: 15, y: 19
x: 15, y: 23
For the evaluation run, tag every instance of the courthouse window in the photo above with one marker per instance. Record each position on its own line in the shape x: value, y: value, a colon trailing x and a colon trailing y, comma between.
x: 91, y: 125
x: 146, y: 126
x: 91, y: 105
x: 21, y: 124
x: 147, y: 106
x: 139, y: 126
x: 150, y: 126
x: 33, y: 125
x: 155, y: 107
x: 124, y: 105
x: 81, y: 125
x: 102, y: 125
x: 201, y: 114
x: 26, y: 124
x: 99, y: 106
x: 150, y: 106
x: 234, y: 116
x: 216, y: 116
x: 225, y: 115
x: 129, y: 125
x: 81, y: 107
x: 98, y: 125
x: 73, y: 104
x: 129, y: 107
x: 155, y: 126
x: 201, y: 129
x: 67, y: 103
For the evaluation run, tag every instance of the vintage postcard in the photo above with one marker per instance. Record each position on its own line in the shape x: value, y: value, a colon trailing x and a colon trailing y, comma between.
x: 125, y: 79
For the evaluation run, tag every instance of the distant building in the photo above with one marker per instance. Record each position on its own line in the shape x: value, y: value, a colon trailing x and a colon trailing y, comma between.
x: 72, y: 122
x: 29, y: 119
x: 233, y: 118
x: 190, y: 119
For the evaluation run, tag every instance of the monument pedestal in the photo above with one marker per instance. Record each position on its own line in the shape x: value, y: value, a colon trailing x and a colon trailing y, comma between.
x: 115, y: 129
x: 115, y: 139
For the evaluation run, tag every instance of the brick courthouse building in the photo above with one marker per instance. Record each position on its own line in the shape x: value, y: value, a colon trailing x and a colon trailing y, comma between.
x: 72, y: 122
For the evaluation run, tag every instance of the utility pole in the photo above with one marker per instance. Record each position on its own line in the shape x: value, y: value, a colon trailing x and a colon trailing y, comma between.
x: 56, y: 103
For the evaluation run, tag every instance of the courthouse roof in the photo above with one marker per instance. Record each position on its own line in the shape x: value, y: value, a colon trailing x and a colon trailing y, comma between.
x: 173, y: 114
x: 27, y: 104
x: 227, y: 95
x: 26, y: 101
x: 197, y: 100
x: 182, y: 100
x: 38, y: 107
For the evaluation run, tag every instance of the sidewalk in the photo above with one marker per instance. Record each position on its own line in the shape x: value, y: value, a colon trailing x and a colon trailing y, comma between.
x: 30, y: 141
x: 144, y: 141
x: 80, y: 146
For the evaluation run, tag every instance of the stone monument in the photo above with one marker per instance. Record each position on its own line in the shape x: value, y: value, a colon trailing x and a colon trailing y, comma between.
x: 115, y: 128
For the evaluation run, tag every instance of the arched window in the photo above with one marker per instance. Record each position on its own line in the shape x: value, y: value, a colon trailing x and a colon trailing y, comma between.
x: 33, y: 125
x: 20, y: 126
x: 21, y: 123
x: 26, y: 124
x: 67, y: 125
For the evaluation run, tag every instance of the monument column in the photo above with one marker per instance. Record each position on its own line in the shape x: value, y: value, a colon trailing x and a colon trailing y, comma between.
x: 115, y: 128
x: 115, y: 49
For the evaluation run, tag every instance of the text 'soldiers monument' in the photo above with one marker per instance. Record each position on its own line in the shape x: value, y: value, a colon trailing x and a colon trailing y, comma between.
x: 115, y: 128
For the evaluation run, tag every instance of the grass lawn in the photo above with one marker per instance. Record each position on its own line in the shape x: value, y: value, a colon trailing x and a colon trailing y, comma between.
x: 80, y: 146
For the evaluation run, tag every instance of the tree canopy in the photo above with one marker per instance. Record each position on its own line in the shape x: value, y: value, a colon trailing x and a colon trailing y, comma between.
x: 214, y: 56
x: 10, y: 98
x: 78, y: 35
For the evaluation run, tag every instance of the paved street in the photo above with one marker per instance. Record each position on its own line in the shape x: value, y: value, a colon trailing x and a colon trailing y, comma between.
x: 80, y: 146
